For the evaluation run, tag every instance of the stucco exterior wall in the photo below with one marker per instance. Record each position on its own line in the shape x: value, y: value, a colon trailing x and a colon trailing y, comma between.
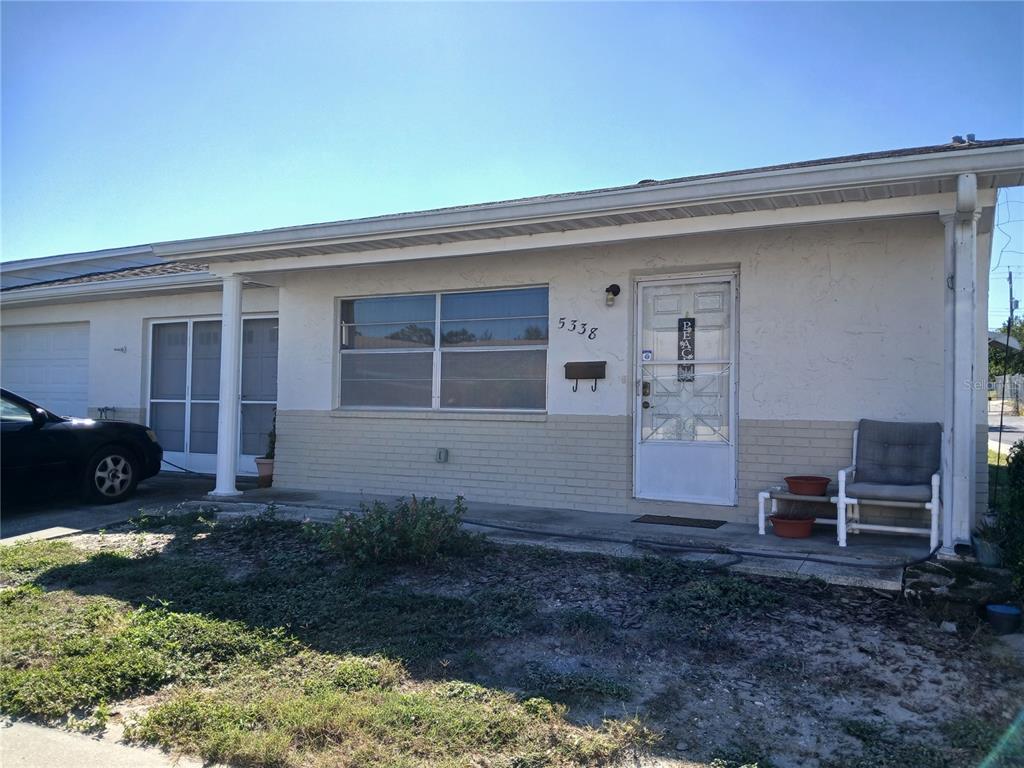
x: 120, y: 379
x: 836, y: 323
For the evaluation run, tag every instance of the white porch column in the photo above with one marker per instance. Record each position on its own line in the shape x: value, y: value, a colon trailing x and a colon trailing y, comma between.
x: 230, y: 374
x: 965, y: 340
x: 949, y: 383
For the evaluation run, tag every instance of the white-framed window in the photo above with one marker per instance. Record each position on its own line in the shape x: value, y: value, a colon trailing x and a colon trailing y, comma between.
x: 477, y: 350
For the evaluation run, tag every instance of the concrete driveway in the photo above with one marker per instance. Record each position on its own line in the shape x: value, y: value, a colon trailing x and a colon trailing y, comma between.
x: 62, y: 516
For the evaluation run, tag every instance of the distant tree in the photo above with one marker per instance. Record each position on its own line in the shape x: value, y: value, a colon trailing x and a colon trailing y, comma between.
x: 415, y: 334
x: 458, y: 336
x: 1000, y: 359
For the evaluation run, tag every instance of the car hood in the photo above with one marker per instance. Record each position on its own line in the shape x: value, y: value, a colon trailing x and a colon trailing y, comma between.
x: 74, y: 421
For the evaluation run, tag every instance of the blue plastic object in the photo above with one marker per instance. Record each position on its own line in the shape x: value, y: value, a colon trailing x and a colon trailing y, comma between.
x: 1005, y: 619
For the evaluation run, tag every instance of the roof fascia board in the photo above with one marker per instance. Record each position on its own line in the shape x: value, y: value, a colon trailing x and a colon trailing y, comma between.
x: 821, y: 214
x: 786, y: 181
x: 107, y: 288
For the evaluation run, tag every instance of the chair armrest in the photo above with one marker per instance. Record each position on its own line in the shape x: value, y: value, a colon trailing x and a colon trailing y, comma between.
x: 936, y: 481
x: 851, y: 471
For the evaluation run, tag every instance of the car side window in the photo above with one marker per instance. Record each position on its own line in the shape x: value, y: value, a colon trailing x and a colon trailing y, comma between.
x: 13, y: 413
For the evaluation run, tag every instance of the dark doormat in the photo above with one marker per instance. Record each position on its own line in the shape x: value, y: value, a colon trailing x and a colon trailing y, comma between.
x: 690, y: 522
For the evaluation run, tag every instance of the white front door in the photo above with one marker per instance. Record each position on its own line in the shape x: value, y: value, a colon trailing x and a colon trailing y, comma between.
x: 685, y: 415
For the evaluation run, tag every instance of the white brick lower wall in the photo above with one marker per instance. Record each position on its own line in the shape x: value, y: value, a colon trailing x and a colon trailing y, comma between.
x: 769, y: 450
x: 567, y: 462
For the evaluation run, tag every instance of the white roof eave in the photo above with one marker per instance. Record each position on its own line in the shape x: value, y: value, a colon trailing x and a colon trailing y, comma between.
x: 733, y: 187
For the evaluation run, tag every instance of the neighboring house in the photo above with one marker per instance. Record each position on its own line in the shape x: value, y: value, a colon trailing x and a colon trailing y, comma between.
x: 759, y: 315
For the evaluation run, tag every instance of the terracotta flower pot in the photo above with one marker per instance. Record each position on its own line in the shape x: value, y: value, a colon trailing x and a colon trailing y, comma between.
x: 264, y: 472
x: 807, y: 485
x: 791, y: 529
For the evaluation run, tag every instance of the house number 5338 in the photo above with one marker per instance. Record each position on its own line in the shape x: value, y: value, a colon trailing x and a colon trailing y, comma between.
x: 577, y: 327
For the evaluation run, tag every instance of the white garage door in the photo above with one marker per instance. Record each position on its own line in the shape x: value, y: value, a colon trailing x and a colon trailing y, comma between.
x: 48, y: 364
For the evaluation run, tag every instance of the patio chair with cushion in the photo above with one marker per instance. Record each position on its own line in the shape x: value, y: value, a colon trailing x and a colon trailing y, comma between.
x: 896, y: 464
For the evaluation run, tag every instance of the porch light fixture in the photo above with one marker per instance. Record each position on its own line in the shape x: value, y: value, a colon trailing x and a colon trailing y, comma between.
x: 610, y: 293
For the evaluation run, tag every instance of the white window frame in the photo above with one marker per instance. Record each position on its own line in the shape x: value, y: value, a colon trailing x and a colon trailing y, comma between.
x: 437, y: 350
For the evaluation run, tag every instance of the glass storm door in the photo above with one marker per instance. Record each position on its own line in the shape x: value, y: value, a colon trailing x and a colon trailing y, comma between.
x: 185, y: 390
x: 685, y: 399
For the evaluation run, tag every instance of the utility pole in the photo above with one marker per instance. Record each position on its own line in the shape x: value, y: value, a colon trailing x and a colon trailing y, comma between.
x: 1002, y: 401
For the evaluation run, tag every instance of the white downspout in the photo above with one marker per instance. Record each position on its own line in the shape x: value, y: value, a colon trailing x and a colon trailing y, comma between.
x: 230, y: 385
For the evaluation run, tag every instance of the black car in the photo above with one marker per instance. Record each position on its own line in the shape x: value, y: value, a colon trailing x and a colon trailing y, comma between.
x: 41, y: 452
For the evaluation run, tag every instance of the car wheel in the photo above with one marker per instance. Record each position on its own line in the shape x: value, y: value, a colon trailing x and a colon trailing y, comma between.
x: 111, y: 475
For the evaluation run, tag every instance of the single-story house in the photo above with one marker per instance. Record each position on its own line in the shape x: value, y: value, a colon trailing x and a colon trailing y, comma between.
x: 672, y: 346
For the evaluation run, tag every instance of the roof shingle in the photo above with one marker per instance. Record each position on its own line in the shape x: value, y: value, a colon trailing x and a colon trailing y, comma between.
x: 154, y: 270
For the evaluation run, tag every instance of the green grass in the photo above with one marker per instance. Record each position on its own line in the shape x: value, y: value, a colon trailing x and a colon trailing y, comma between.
x: 63, y: 652
x: 23, y: 562
x: 969, y: 740
x: 575, y: 687
x: 997, y: 476
x: 587, y: 628
x: 435, y: 724
x: 299, y: 660
x: 201, y: 517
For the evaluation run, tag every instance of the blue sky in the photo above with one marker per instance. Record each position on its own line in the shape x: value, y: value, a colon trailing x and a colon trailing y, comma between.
x: 139, y: 122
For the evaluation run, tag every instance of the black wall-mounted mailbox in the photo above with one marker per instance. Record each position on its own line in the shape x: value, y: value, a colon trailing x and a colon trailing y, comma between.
x: 593, y: 369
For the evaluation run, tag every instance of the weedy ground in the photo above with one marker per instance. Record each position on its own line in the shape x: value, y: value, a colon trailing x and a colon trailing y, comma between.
x: 255, y: 644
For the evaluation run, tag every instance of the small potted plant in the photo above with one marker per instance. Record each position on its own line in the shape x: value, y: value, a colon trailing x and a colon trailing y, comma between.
x: 265, y: 466
x: 793, y: 523
x: 985, y: 538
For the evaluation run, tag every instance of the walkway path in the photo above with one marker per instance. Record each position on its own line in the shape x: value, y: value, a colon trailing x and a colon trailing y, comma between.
x: 24, y: 745
x: 869, y: 561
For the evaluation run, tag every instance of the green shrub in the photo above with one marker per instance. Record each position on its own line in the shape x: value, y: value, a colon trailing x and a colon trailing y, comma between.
x: 1010, y: 523
x: 417, y: 531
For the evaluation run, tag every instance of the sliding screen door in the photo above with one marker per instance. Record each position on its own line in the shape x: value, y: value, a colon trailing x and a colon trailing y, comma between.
x: 185, y: 390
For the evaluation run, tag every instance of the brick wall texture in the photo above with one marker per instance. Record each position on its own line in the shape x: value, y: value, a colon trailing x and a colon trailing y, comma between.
x: 558, y: 461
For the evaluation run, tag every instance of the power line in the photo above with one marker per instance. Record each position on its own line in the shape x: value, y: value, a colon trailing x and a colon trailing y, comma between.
x: 1000, y: 226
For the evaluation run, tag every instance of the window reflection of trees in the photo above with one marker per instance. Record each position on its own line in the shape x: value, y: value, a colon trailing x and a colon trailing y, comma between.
x: 465, y: 336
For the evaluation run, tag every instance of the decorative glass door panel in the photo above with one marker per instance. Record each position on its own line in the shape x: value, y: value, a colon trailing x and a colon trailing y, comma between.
x: 685, y: 390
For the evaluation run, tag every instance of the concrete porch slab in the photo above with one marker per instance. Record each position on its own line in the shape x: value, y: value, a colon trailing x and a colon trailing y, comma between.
x: 875, y: 561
